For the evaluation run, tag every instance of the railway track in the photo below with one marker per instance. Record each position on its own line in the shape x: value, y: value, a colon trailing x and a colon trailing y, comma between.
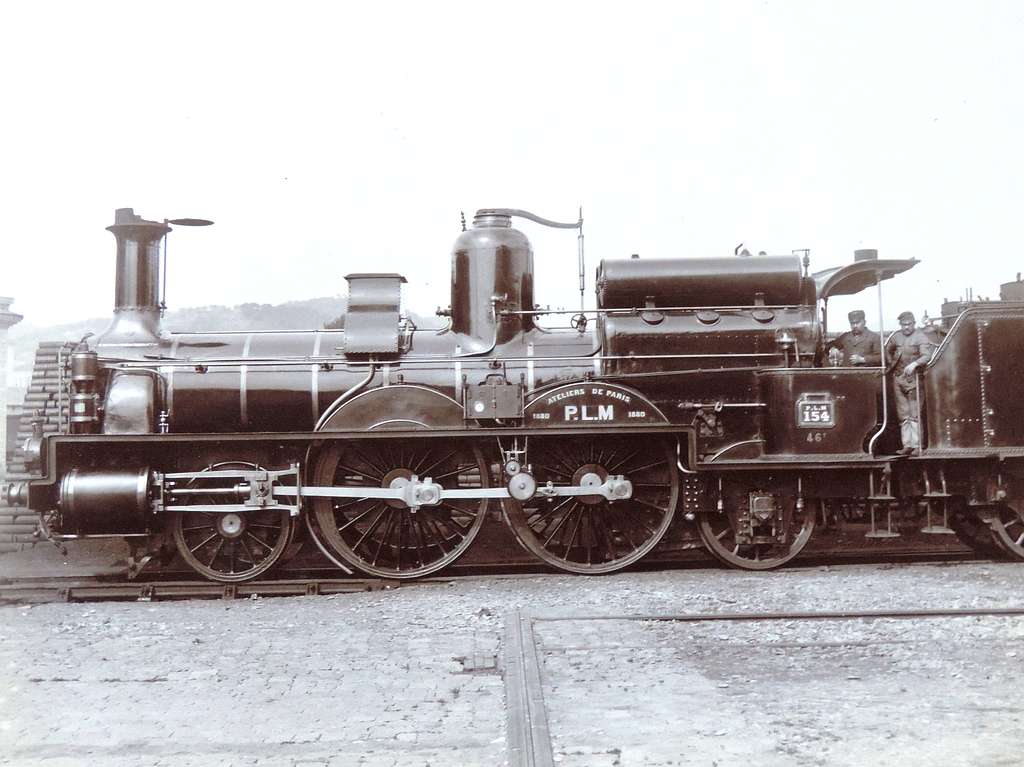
x: 176, y: 585
x: 75, y: 589
x: 528, y: 732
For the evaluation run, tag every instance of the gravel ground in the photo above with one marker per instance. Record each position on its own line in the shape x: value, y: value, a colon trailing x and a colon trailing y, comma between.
x: 406, y: 677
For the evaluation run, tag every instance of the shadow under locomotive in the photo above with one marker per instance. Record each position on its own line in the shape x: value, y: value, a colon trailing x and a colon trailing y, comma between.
x: 696, y: 388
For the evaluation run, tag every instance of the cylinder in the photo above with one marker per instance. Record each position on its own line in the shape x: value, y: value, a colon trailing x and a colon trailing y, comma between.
x: 94, y: 501
x: 492, y: 272
x: 83, y: 413
x: 727, y: 281
x: 84, y: 365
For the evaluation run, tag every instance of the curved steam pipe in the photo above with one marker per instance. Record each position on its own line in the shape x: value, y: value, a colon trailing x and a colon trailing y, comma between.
x: 343, y: 398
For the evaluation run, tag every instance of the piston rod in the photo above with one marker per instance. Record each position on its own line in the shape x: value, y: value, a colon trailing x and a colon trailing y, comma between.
x: 413, y: 492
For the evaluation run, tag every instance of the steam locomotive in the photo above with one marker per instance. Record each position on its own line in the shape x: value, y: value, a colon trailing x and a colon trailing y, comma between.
x: 697, y: 387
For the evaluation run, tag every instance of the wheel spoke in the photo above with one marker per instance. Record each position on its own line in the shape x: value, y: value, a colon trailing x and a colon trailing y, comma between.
x: 462, y: 530
x: 426, y: 471
x: 613, y: 467
x: 638, y: 469
x: 348, y: 470
x: 417, y: 529
x: 373, y: 526
x: 245, y: 547
x: 356, y: 519
x: 638, y: 516
x: 453, y: 473
x: 386, y: 536
x: 554, y: 508
x: 267, y: 546
x: 401, y: 524
x: 338, y: 506
x: 624, y: 529
x: 572, y: 536
x: 597, y: 521
x: 216, y: 551
x: 206, y: 541
x: 558, y: 527
x: 431, y: 526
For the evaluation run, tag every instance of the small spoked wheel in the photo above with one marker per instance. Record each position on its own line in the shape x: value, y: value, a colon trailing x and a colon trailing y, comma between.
x: 590, y: 534
x: 972, y: 531
x: 1008, y: 528
x: 385, y: 537
x: 758, y: 530
x: 235, y: 546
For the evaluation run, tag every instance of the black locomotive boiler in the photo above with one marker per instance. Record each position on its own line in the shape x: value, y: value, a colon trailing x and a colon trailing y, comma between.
x: 697, y: 389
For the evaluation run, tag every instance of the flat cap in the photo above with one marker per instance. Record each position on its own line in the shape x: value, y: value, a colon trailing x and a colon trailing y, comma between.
x: 904, y: 316
x: 857, y: 315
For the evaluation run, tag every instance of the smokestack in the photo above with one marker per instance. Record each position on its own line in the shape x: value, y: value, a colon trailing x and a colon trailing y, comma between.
x: 137, y: 289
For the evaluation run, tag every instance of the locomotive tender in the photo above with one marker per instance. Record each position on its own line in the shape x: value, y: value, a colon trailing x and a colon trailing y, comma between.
x: 699, y: 389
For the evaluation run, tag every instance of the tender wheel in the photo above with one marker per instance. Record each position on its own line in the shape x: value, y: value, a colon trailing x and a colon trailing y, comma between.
x: 759, y: 530
x: 385, y: 537
x: 589, y: 534
x: 973, y: 532
x: 1008, y: 528
x: 232, y: 547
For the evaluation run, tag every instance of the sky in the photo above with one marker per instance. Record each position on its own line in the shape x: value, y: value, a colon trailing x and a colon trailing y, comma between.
x: 329, y: 138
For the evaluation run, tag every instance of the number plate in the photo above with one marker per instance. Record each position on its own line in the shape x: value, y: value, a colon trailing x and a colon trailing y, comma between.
x: 815, y: 412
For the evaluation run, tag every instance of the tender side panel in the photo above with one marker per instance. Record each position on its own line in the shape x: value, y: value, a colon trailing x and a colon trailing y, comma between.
x: 1002, y: 344
x: 973, y: 384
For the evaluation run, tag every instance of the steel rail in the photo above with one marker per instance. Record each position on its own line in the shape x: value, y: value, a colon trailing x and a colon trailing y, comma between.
x: 830, y: 615
x: 84, y: 589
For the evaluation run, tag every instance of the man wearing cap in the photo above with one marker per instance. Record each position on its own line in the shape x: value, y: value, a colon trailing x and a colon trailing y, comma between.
x: 859, y: 346
x: 907, y: 350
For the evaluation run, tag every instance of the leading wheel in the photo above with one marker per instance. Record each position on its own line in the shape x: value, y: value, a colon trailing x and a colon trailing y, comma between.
x: 386, y: 538
x: 758, y: 529
x: 588, y: 534
x: 231, y: 547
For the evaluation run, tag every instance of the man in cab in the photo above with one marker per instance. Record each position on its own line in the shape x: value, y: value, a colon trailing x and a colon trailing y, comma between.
x: 858, y: 346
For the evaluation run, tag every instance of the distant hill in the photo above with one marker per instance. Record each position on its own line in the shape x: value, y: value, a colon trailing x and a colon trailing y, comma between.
x: 294, y: 315
x: 311, y: 313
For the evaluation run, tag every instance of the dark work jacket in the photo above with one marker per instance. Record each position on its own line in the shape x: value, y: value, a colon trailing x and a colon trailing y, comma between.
x: 901, y: 350
x: 866, y: 345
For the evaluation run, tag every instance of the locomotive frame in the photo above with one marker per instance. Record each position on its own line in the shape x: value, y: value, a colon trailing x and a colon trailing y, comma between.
x: 701, y: 388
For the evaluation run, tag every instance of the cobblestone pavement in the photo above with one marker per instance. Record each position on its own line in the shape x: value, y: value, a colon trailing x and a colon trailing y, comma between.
x: 402, y: 678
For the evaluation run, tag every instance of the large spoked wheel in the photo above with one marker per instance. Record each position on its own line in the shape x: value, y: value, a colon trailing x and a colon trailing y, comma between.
x: 386, y: 538
x: 588, y: 534
x: 1008, y: 528
x: 231, y: 547
x: 764, y: 544
x: 974, y: 533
